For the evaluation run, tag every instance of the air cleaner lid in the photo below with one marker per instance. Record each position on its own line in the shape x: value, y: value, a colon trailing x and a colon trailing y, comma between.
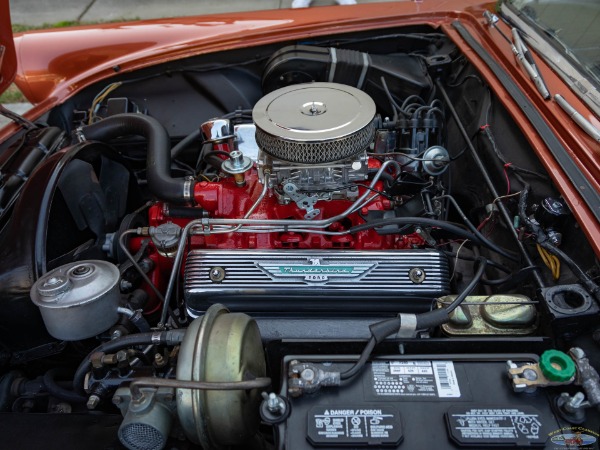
x: 315, y: 122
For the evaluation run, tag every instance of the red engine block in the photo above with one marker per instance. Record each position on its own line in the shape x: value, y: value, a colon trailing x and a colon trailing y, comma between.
x: 224, y: 199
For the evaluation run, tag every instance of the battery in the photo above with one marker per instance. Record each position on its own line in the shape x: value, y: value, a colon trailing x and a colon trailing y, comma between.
x: 425, y: 401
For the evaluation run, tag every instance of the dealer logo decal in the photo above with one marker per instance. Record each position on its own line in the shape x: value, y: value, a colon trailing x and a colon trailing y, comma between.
x: 574, y: 437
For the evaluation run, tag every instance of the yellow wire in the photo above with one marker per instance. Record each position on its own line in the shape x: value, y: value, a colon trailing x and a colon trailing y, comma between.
x: 100, y: 98
x: 551, y: 261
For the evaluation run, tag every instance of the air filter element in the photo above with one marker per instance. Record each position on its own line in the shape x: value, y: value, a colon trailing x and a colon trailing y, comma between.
x: 314, y: 123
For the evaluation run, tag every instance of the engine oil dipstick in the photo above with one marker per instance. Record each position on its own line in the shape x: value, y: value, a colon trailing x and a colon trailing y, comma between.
x: 237, y: 165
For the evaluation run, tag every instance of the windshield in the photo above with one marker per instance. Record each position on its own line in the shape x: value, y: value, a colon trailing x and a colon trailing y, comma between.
x: 573, y: 24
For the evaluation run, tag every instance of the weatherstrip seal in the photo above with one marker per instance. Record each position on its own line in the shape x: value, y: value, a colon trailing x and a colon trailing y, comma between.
x: 578, y: 179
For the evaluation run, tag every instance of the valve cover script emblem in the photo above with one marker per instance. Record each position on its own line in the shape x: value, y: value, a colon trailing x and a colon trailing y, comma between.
x: 315, y: 270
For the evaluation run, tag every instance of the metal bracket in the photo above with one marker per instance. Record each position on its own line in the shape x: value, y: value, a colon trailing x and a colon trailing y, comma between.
x: 304, y: 201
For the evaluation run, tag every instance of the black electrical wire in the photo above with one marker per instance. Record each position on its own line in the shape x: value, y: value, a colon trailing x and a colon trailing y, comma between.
x: 451, y: 228
x: 542, y: 239
x: 487, y: 132
x: 393, y: 104
x: 194, y: 136
x: 490, y: 262
x: 504, y: 213
x: 464, y: 80
x: 381, y: 330
x: 362, y: 360
x: 383, y: 194
x: 465, y: 292
x: 405, y: 103
x: 510, y: 277
x: 212, y: 157
x: 216, y: 153
x: 474, y: 229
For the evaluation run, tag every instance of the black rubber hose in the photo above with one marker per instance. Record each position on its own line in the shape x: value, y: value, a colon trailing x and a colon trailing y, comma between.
x: 511, y: 277
x: 140, y: 322
x: 454, y: 229
x: 386, y: 177
x: 185, y: 143
x: 385, y: 328
x: 172, y: 337
x: 158, y: 166
x: 362, y: 360
x: 440, y: 316
x: 59, y: 392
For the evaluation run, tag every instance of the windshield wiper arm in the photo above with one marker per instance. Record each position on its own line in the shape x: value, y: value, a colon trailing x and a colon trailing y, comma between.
x: 492, y: 19
x: 524, y: 56
x: 585, y: 125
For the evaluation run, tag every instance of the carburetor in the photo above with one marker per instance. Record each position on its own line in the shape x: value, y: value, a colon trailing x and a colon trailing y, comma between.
x: 313, y: 140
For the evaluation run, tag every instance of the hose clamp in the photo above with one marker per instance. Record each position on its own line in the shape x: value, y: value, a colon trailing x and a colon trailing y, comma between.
x: 187, y: 189
x: 408, y: 326
x: 79, y: 135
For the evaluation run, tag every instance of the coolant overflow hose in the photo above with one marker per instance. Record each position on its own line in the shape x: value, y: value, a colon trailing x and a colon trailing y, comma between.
x: 158, y: 163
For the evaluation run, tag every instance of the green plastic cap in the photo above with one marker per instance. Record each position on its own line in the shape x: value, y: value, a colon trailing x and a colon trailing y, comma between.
x: 557, y: 365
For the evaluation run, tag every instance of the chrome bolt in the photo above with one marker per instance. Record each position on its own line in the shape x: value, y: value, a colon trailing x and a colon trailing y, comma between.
x: 530, y: 374
x: 308, y: 375
x: 275, y: 404
x: 81, y: 270
x: 575, y: 402
x: 121, y: 356
x: 52, y: 281
x: 416, y: 275
x: 217, y: 274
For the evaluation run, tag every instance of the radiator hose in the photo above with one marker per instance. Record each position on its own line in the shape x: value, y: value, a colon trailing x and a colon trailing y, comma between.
x: 158, y: 163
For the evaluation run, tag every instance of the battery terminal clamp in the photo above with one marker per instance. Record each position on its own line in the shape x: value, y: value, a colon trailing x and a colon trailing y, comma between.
x: 555, y: 368
x: 306, y: 378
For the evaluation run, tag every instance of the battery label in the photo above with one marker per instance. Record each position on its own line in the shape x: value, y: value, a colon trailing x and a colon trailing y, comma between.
x: 435, y: 379
x: 496, y: 426
x: 356, y: 426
